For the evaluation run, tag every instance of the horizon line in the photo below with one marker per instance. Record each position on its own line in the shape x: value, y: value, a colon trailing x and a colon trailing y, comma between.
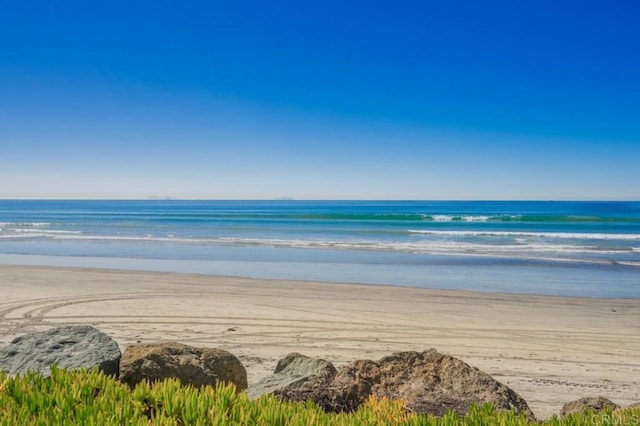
x: 323, y: 199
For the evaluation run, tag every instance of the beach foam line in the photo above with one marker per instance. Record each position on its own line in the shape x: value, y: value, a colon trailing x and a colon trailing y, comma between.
x: 31, y: 224
x: 628, y: 263
x: 566, y: 235
x: 527, y: 218
x: 45, y: 231
x: 418, y: 246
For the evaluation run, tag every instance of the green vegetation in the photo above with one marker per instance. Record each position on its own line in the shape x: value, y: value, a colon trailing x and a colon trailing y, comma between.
x: 91, y: 398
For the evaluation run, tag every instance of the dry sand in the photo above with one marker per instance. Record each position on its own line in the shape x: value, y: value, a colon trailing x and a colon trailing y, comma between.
x: 548, y: 349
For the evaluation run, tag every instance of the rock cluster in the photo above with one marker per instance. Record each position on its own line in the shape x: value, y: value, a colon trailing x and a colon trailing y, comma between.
x: 76, y: 347
x: 427, y: 382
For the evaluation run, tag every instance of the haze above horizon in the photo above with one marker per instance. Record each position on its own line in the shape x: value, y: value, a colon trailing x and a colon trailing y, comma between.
x: 320, y: 100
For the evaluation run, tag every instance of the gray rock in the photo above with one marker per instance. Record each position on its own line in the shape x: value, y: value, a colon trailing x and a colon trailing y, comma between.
x: 592, y: 403
x: 291, y: 372
x: 191, y: 365
x: 70, y: 347
x: 428, y: 382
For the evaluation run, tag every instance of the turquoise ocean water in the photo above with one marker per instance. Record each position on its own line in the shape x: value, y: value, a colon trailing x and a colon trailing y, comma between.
x: 587, y: 249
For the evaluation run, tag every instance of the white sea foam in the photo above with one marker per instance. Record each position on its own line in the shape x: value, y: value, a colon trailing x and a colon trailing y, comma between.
x: 475, y: 218
x: 45, y: 231
x: 28, y: 224
x: 17, y: 233
x: 432, y: 247
x: 521, y: 245
x: 440, y: 218
x: 149, y: 238
x: 566, y: 235
x: 468, y: 218
x: 629, y: 263
x: 451, y: 218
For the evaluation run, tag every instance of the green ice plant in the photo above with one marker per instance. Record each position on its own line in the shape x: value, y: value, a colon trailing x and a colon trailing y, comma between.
x: 92, y: 398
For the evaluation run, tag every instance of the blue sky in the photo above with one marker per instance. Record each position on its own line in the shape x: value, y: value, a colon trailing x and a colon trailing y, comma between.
x: 400, y: 100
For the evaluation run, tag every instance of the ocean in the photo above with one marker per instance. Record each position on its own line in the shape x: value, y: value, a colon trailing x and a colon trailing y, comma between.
x: 586, y: 249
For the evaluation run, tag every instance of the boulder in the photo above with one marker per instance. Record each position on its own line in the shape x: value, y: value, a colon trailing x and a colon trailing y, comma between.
x: 191, y: 365
x: 291, y: 372
x: 69, y: 347
x: 428, y: 382
x: 592, y: 403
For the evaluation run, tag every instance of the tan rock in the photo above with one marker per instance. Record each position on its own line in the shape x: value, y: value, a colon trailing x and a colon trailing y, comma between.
x: 592, y: 403
x: 192, y: 365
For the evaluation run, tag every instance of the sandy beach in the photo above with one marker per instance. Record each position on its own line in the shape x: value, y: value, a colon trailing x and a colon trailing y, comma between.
x: 548, y: 349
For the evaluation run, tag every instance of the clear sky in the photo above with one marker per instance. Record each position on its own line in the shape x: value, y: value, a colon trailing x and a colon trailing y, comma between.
x: 320, y: 99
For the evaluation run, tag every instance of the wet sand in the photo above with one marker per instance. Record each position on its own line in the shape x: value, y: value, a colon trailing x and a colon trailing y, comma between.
x: 548, y: 349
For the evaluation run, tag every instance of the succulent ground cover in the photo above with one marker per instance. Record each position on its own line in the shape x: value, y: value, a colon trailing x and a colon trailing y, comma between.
x: 93, y: 398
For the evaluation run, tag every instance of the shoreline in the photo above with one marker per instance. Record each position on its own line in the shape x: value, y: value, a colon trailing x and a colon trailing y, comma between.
x: 549, y: 349
x: 451, y: 272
